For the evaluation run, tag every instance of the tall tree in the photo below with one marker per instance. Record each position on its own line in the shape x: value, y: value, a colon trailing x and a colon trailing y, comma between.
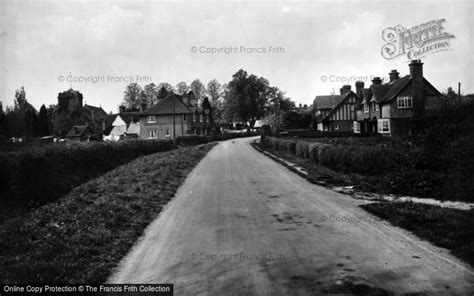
x: 166, y: 85
x: 214, y: 90
x: 43, y: 122
x: 151, y: 93
x: 131, y: 98
x: 162, y: 93
x: 198, y: 89
x: 182, y: 88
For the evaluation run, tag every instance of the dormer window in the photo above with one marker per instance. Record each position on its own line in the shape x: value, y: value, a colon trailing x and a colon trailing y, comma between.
x: 366, y: 108
x: 404, y: 102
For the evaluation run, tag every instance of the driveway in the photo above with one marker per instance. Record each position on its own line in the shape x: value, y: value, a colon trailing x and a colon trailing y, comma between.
x: 244, y: 224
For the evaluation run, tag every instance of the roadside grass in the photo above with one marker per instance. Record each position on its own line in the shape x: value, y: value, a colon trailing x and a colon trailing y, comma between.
x: 81, y: 237
x: 447, y: 228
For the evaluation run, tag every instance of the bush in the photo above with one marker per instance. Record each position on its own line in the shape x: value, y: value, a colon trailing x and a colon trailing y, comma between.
x: 40, y: 175
x: 302, y: 149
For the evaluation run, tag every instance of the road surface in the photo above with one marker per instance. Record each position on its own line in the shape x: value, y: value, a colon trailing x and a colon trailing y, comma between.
x: 244, y: 224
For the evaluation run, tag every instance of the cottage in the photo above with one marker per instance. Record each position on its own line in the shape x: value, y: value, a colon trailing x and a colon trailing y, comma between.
x: 80, y: 133
x: 121, y: 125
x: 393, y: 108
x: 175, y: 116
x: 336, y: 113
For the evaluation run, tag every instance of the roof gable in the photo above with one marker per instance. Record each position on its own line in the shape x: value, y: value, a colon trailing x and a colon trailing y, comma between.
x: 169, y: 105
x: 118, y: 121
x: 328, y: 102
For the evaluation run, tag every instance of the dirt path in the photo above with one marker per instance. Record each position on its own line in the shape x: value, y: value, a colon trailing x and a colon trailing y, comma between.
x: 244, y: 224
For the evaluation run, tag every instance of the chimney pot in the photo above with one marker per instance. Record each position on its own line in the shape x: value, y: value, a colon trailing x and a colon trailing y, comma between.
x: 376, y: 81
x: 393, y: 75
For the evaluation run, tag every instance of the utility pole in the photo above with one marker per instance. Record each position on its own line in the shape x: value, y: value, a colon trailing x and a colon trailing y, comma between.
x: 459, y: 91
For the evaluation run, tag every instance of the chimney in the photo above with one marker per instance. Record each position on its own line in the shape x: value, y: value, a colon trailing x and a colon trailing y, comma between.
x: 121, y: 109
x: 416, y: 72
x: 359, y: 86
x: 346, y: 89
x: 393, y: 75
x: 376, y: 81
x: 341, y: 90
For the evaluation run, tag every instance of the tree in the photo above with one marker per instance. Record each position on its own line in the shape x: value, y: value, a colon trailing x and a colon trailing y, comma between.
x: 3, y: 122
x: 163, y: 93
x: 214, y: 90
x: 151, y: 93
x: 166, y: 85
x: 131, y: 98
x: 198, y: 89
x: 182, y: 88
x: 43, y: 122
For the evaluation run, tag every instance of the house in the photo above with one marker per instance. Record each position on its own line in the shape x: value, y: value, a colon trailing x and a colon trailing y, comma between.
x: 336, y: 113
x: 80, y: 133
x: 70, y: 112
x: 174, y: 116
x: 121, y: 125
x: 394, y: 108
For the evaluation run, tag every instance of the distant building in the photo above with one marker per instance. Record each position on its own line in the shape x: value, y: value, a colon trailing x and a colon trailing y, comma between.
x: 394, y: 108
x: 174, y: 116
x: 336, y: 113
x: 80, y: 133
x: 121, y: 125
x: 389, y: 109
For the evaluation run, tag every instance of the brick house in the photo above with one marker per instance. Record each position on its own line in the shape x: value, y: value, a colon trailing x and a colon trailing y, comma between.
x: 174, y: 116
x: 393, y: 108
x: 336, y: 113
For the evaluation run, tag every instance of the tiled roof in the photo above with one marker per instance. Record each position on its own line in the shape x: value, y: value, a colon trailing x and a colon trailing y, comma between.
x: 165, y: 106
x: 98, y: 111
x: 79, y: 131
x: 328, y: 102
x: 395, y: 88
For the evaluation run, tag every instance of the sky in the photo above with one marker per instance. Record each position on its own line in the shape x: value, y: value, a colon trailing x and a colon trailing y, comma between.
x: 304, y: 48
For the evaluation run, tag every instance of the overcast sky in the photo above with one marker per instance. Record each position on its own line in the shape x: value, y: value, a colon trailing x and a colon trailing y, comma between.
x: 40, y: 41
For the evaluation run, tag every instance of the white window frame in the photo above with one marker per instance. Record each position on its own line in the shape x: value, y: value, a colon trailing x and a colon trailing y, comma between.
x: 151, y: 119
x: 404, y: 102
x: 383, y: 126
x: 356, y: 127
x: 152, y: 134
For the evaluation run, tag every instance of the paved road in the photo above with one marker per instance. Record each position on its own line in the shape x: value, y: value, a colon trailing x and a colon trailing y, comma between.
x: 243, y: 224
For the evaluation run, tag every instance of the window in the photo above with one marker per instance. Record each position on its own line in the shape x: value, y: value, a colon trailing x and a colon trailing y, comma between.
x: 356, y: 127
x: 152, y: 134
x: 336, y: 127
x: 152, y: 119
x: 383, y: 126
x: 366, y: 108
x: 167, y: 132
x: 405, y: 102
x: 194, y: 117
x: 375, y: 107
x: 184, y: 117
x: 200, y: 117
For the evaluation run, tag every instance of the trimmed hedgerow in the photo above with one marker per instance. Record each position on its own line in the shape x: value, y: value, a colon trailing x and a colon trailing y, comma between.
x: 40, y: 175
x: 197, y: 139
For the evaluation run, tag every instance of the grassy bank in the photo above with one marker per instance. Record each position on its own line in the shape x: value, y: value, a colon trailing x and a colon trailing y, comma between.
x: 80, y: 238
x: 447, y: 228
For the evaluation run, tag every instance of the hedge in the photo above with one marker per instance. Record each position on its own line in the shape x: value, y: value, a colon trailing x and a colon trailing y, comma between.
x: 39, y: 175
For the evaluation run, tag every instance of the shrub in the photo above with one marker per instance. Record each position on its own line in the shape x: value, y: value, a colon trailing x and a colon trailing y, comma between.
x: 302, y: 149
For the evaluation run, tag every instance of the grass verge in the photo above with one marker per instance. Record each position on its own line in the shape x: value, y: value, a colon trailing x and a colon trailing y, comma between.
x: 80, y: 238
x: 447, y: 228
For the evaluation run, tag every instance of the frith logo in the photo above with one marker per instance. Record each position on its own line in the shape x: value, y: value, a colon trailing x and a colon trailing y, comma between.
x: 415, y: 42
